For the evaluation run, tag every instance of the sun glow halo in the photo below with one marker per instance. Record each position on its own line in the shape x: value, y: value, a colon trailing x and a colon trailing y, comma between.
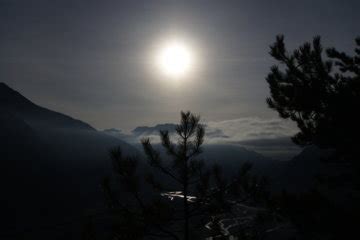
x: 175, y: 59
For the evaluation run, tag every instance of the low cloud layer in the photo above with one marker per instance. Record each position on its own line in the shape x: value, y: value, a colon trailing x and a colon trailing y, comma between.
x: 270, y: 137
x: 244, y: 129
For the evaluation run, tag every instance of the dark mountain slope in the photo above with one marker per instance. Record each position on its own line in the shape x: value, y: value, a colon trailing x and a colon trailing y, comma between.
x: 51, y: 168
x: 35, y: 115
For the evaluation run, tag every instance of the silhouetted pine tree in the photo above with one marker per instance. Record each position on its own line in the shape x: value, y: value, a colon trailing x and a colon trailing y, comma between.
x: 204, y: 192
x: 321, y: 93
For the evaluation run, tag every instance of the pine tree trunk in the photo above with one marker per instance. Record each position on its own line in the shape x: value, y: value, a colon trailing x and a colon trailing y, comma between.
x: 186, y: 206
x: 186, y: 213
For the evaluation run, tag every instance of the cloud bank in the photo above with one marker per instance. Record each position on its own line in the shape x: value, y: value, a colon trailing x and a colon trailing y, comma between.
x: 270, y: 137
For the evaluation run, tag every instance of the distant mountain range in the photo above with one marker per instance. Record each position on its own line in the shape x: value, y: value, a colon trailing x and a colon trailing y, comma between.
x: 297, y: 174
x: 229, y: 156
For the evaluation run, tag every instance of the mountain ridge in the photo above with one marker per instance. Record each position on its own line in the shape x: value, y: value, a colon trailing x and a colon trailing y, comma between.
x: 37, y: 116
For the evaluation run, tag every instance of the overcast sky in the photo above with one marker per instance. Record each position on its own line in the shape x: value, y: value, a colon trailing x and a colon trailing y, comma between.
x: 93, y: 59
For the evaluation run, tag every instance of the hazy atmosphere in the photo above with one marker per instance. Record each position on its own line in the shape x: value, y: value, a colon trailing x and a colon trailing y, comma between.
x: 93, y: 59
x: 182, y: 120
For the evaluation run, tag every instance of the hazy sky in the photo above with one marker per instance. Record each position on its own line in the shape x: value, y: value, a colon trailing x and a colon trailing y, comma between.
x: 93, y: 59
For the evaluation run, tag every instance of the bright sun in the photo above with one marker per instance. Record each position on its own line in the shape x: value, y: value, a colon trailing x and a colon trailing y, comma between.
x: 175, y: 59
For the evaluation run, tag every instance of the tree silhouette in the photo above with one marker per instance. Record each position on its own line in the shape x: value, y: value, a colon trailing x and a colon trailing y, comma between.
x: 320, y: 94
x: 204, y: 193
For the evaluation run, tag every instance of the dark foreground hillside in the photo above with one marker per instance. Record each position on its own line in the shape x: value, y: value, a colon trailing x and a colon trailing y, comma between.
x: 51, y: 169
